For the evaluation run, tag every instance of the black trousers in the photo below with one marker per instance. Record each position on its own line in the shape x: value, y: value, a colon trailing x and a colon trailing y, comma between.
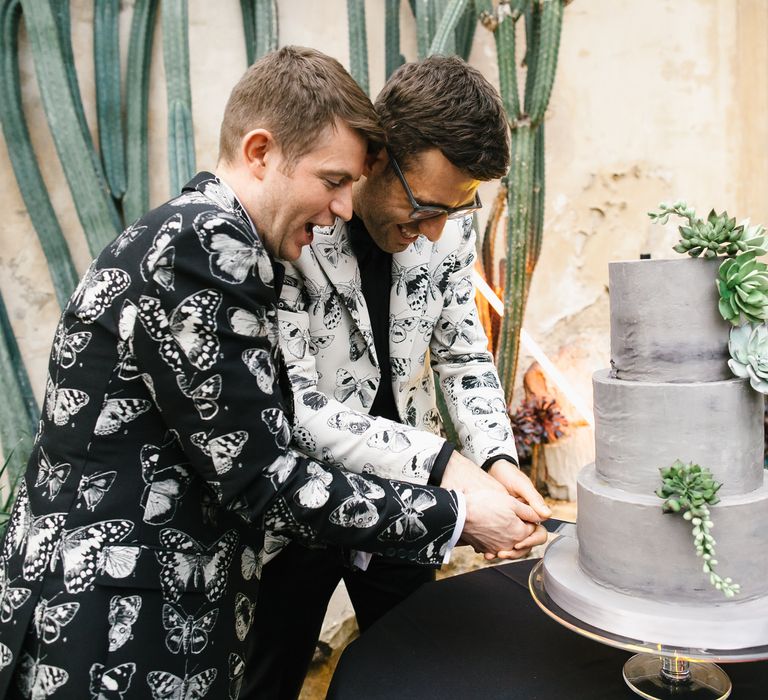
x: 295, y: 589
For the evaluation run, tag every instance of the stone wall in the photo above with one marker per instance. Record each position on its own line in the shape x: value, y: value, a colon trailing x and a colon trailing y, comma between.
x: 653, y: 100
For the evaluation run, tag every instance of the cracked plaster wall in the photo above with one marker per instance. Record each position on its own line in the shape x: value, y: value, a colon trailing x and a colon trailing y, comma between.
x: 653, y: 100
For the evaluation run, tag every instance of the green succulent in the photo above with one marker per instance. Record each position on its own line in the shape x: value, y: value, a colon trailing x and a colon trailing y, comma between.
x: 691, y: 489
x: 748, y: 346
x: 718, y: 235
x: 743, y: 285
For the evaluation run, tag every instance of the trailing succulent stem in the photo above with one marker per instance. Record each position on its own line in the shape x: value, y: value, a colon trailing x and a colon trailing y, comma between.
x: 690, y: 489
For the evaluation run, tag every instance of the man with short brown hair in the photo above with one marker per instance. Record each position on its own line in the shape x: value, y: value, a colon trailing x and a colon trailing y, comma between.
x: 163, y: 454
x: 368, y: 312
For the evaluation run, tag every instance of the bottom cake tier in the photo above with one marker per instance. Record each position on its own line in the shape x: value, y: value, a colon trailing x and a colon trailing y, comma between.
x: 627, y: 543
x: 726, y: 626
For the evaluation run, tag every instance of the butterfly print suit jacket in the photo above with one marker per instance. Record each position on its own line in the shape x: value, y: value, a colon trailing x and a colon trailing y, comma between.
x: 130, y: 565
x: 325, y: 333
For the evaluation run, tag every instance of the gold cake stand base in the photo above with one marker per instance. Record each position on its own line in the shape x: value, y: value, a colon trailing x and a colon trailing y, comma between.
x: 656, y: 672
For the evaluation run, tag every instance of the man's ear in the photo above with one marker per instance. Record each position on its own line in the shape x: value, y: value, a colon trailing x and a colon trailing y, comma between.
x: 257, y: 147
x: 375, y: 162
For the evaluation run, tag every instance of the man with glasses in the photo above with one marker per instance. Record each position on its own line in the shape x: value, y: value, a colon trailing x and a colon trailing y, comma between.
x: 371, y: 309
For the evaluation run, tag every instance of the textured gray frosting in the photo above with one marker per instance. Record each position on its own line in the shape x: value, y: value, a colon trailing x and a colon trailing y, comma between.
x: 642, y: 426
x: 665, y: 325
x: 724, y: 625
x: 627, y: 543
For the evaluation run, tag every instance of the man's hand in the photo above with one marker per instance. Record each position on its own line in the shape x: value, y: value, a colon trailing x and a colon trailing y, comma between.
x: 493, y: 525
x: 517, y: 484
x: 462, y: 474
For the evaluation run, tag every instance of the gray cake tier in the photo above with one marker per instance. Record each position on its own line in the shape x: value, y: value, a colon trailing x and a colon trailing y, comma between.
x: 725, y: 625
x: 643, y: 426
x: 627, y: 543
x: 665, y: 325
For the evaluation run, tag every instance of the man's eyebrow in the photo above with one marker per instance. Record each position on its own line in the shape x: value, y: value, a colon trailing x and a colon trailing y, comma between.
x: 340, y: 174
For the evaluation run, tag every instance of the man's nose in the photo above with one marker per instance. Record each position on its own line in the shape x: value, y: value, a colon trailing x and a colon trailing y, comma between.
x: 341, y: 204
x: 432, y: 228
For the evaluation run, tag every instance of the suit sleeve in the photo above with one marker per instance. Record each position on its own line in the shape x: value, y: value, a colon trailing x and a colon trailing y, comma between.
x: 460, y: 357
x: 206, y: 345
x: 327, y: 428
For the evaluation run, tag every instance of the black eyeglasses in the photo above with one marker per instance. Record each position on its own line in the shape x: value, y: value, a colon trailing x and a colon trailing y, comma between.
x: 429, y: 211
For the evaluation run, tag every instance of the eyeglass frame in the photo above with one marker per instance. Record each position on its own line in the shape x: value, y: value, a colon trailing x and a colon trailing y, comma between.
x: 435, y: 211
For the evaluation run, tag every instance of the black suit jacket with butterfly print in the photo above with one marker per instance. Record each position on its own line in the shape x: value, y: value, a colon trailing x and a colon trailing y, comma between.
x: 130, y: 564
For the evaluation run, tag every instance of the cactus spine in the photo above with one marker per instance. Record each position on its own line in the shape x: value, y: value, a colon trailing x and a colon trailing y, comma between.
x: 393, y: 59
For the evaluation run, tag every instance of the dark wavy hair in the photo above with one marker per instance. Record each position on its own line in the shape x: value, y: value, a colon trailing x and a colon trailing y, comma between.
x: 441, y: 102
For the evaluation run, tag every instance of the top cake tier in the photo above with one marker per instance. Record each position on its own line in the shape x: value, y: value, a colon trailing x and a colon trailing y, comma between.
x: 665, y: 325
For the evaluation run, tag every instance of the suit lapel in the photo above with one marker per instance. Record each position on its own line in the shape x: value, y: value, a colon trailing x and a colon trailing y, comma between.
x: 407, y: 316
x: 333, y: 253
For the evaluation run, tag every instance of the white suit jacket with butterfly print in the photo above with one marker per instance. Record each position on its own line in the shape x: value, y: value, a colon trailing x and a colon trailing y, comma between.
x: 325, y: 334
x: 130, y: 563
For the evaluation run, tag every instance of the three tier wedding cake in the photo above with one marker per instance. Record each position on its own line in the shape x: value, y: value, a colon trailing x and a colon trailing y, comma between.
x: 669, y: 395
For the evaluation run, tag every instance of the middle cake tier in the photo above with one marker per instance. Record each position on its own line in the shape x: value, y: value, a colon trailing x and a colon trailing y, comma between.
x: 641, y: 427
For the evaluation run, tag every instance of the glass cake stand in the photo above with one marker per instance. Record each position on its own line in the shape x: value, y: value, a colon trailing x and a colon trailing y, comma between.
x: 656, y: 671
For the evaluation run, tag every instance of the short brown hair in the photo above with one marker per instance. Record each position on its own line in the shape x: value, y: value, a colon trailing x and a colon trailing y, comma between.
x: 296, y: 93
x: 441, y: 102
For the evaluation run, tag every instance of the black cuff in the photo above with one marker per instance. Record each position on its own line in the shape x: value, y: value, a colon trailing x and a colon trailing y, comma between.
x: 441, y: 462
x: 495, y: 458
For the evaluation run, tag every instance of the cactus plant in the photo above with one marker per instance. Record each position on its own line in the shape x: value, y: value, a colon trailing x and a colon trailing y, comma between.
x: 136, y: 197
x: 106, y: 61
x: 358, y: 43
x: 525, y: 178
x: 260, y: 26
x: 22, y: 156
x: 63, y: 109
x: 181, y: 137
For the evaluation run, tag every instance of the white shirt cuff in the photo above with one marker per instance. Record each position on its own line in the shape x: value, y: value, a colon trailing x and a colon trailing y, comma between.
x: 461, y: 504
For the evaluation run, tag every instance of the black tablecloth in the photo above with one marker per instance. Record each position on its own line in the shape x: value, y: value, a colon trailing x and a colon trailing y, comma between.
x: 480, y: 635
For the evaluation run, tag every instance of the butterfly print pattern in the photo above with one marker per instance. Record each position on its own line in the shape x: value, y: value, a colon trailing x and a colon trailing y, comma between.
x: 37, y: 680
x: 92, y: 488
x: 187, y: 563
x: 158, y: 262
x: 204, y: 396
x: 111, y: 684
x: 49, y: 619
x: 162, y: 478
x: 234, y: 254
x: 51, y: 476
x: 117, y: 412
x: 222, y: 449
x: 187, y: 634
x: 66, y: 346
x: 11, y: 597
x: 244, y: 609
x: 190, y: 328
x: 165, y: 486
x: 408, y: 525
x: 123, y: 614
x: 347, y: 384
x: 168, y: 686
x: 97, y: 290
x: 358, y: 510
x: 299, y: 342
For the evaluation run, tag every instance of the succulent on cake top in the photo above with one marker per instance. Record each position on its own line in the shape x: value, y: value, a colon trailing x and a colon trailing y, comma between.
x: 742, y: 282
